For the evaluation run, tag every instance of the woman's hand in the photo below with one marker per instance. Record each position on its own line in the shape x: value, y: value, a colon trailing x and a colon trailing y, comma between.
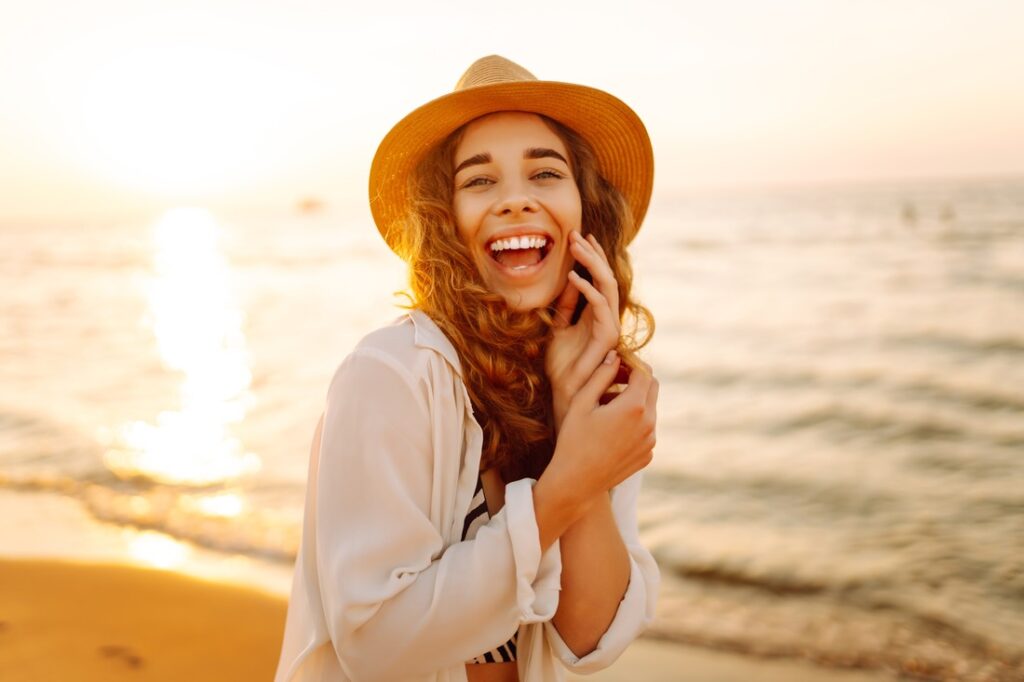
x: 601, y: 445
x: 576, y: 350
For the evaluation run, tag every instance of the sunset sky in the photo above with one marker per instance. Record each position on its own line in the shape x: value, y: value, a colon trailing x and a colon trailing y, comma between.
x: 112, y: 107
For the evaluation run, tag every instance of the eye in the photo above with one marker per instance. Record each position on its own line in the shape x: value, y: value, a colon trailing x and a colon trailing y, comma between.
x: 477, y: 182
x: 547, y: 174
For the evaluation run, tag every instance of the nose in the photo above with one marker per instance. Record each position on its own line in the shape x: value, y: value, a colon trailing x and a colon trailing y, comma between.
x: 515, y: 198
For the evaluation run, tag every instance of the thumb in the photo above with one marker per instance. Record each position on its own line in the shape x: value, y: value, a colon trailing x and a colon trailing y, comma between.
x: 600, y: 380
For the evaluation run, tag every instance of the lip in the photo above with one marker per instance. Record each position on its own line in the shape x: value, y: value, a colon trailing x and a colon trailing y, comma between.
x: 519, y: 231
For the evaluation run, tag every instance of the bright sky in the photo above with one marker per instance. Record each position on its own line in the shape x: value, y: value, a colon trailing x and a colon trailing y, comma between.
x: 124, y: 105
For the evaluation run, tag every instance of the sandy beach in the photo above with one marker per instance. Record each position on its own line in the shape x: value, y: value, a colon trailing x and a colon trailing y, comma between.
x: 105, y: 621
x: 79, y: 621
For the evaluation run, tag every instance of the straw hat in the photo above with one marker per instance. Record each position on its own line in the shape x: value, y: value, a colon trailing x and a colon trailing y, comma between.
x: 491, y: 84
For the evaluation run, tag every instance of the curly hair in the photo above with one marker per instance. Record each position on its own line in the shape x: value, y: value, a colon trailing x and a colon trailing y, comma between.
x: 502, y: 350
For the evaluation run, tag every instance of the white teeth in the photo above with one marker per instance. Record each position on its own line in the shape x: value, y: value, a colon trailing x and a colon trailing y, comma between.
x: 518, y: 243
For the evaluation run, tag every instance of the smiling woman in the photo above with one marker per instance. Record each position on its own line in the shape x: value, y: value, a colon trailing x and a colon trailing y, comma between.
x: 471, y: 507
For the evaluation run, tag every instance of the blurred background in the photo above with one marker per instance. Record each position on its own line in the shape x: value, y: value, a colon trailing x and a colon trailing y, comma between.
x: 834, y: 254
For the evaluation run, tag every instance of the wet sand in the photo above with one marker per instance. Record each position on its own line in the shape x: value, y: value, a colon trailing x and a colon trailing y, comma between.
x: 103, y: 621
x: 648, y: 660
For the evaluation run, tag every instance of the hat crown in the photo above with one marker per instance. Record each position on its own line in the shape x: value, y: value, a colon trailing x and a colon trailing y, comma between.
x: 492, y: 69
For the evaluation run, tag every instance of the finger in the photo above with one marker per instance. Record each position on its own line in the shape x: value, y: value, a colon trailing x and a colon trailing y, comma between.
x: 589, y: 249
x: 639, y: 384
x: 598, y: 302
x: 618, y: 383
x: 566, y: 304
x: 600, y: 380
x: 651, y: 404
x: 600, y: 249
x: 621, y: 378
x: 606, y: 332
x: 585, y: 253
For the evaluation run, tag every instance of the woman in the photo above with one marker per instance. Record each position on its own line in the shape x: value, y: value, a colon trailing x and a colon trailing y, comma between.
x: 471, y: 502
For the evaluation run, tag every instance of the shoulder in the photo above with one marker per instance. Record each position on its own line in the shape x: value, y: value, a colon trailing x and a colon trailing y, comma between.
x: 393, y: 343
x: 408, y: 348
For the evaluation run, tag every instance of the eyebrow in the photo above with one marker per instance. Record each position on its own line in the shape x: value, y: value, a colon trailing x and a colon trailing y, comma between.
x: 543, y: 153
x: 473, y: 161
x: 531, y: 153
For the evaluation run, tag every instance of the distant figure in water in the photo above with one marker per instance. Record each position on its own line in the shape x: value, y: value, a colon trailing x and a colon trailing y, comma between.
x: 909, y: 214
x: 310, y: 205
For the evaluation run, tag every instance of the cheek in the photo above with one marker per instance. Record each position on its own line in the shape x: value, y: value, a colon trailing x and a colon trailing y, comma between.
x: 463, y: 221
x: 570, y: 210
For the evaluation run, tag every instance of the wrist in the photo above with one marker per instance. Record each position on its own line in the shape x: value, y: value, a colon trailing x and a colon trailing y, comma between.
x: 559, y: 417
x: 597, y: 514
x: 559, y: 407
x: 557, y: 507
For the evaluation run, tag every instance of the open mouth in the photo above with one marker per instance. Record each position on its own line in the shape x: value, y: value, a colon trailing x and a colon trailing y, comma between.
x: 520, y: 254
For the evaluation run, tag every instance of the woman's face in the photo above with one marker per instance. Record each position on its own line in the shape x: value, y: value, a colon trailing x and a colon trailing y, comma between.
x: 515, y: 204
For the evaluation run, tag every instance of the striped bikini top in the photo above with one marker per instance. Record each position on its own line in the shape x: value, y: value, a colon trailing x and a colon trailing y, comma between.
x: 477, y: 517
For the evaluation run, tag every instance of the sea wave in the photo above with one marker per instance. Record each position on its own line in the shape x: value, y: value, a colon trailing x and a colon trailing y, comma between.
x: 195, y: 514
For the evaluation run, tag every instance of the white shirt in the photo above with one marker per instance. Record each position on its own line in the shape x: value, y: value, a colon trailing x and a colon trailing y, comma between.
x: 383, y: 587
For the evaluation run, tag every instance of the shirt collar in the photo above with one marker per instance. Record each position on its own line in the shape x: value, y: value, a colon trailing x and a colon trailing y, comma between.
x: 429, y: 335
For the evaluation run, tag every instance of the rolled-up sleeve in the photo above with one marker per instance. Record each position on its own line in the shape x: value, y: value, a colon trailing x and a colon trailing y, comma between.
x: 396, y: 602
x: 636, y: 609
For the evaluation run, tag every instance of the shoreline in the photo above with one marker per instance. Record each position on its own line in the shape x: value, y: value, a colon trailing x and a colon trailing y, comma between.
x: 92, y: 621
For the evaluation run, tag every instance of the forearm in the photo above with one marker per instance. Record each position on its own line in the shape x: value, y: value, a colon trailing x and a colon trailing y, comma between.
x: 398, y: 631
x: 595, y: 575
x: 596, y: 564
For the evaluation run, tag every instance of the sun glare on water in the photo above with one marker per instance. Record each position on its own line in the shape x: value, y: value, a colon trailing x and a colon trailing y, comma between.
x: 157, y: 549
x: 198, y: 330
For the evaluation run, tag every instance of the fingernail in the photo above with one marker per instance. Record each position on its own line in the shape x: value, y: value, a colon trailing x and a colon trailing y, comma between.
x: 610, y: 358
x: 574, y: 274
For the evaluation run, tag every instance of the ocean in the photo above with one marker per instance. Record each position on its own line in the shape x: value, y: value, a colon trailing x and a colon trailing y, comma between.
x: 839, y: 473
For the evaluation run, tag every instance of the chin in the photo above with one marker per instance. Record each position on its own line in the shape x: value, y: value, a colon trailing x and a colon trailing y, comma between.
x: 526, y: 301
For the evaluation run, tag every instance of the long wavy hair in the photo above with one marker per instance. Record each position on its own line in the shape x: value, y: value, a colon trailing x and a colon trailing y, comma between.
x: 502, y: 350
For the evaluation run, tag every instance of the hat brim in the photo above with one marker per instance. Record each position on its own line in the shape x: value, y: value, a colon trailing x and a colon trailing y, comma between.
x: 617, y: 135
